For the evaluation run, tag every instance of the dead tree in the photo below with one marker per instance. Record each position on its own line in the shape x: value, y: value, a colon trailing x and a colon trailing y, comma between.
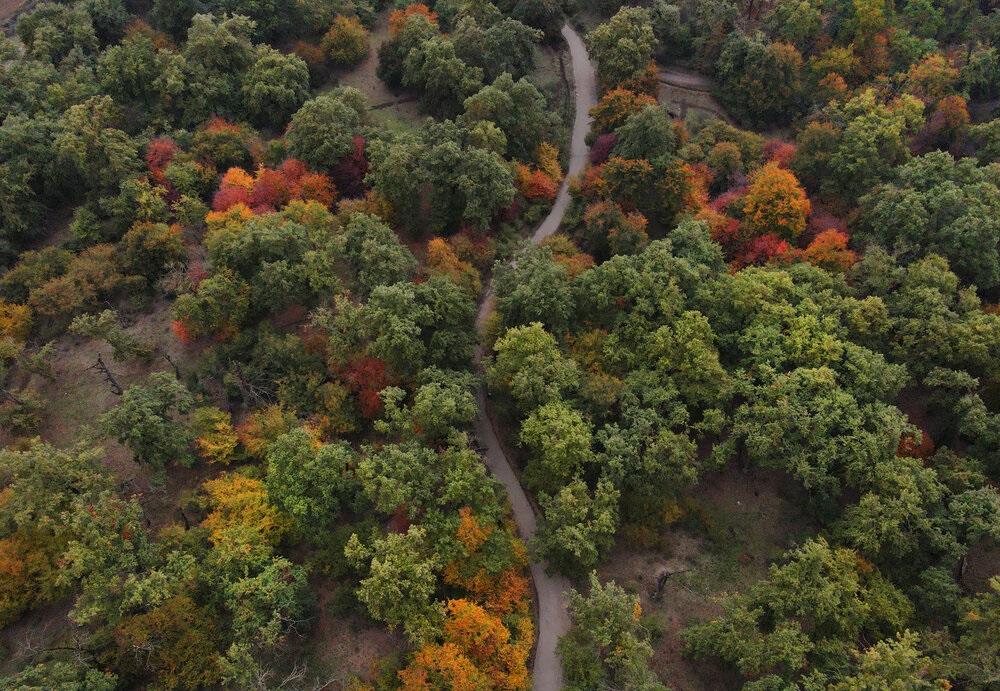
x: 166, y: 356
x: 116, y: 388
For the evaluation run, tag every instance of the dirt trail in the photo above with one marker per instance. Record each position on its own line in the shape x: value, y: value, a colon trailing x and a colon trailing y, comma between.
x: 685, y: 90
x: 585, y: 87
x: 553, y: 619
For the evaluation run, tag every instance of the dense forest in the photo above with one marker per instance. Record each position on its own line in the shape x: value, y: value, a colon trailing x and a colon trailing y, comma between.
x: 752, y: 386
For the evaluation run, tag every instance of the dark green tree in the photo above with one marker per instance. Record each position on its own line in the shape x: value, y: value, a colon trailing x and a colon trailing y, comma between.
x: 146, y: 422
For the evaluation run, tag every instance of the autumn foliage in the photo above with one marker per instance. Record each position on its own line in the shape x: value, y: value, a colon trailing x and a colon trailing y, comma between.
x: 477, y: 653
x: 177, y: 641
x: 263, y: 427
x: 15, y: 321
x: 910, y: 447
x: 272, y: 188
x: 349, y: 173
x: 615, y: 107
x: 441, y: 259
x: 602, y: 148
x: 225, y: 145
x: 240, y: 510
x: 502, y: 591
x: 159, y: 153
x: 216, y: 439
x: 829, y: 251
x: 776, y: 203
x: 535, y: 184
x: 397, y: 20
x: 541, y: 181
x: 779, y: 153
x: 365, y: 378
x: 762, y: 250
x: 346, y: 42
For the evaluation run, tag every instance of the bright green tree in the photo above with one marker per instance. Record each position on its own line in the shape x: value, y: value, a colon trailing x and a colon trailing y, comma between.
x: 622, y: 47
x: 401, y: 581
x: 560, y: 443
x: 607, y: 645
x: 529, y: 366
x: 577, y: 527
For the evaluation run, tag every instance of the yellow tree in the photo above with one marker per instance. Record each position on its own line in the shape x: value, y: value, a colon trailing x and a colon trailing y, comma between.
x: 241, y: 511
x: 776, y: 203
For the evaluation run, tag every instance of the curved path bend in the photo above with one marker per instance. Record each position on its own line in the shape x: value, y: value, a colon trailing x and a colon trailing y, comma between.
x: 553, y: 619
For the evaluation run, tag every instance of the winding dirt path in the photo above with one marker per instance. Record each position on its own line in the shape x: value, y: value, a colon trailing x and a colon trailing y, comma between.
x: 690, y: 91
x: 553, y: 619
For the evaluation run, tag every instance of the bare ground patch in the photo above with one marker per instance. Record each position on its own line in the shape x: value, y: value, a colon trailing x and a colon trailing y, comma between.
x: 344, y: 648
x: 393, y: 109
x: 740, y: 522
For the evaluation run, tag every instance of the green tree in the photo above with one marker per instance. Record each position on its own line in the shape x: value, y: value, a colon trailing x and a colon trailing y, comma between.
x: 218, y: 308
x: 758, y: 81
x: 109, y: 545
x: 577, y: 527
x: 520, y: 111
x: 401, y: 581
x: 270, y: 604
x: 672, y: 34
x: 322, y: 131
x: 145, y: 422
x: 622, y: 47
x: 52, y: 31
x: 148, y: 79
x: 891, y: 664
x: 43, y: 488
x: 937, y: 205
x: 607, y: 645
x: 401, y: 323
x: 529, y: 367
x: 218, y: 53
x: 108, y: 326
x: 685, y: 351
x: 645, y: 458
x: 816, y: 429
x: 456, y: 180
x: 978, y: 658
x: 873, y: 141
x: 375, y: 253
x: 648, y: 134
x: 93, y: 153
x: 275, y: 87
x: 309, y: 481
x: 560, y: 443
x: 444, y: 79
x: 545, y: 15
x: 59, y: 675
x: 534, y: 288
x: 442, y: 405
x: 425, y: 482
x: 509, y: 46
x: 806, y: 614
x: 151, y: 250
x: 798, y: 23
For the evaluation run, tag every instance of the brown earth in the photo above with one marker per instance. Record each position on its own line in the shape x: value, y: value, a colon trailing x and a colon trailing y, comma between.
x: 739, y: 523
x: 8, y: 8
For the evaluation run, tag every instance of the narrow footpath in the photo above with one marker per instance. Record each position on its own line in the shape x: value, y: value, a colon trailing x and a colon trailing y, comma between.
x: 553, y: 620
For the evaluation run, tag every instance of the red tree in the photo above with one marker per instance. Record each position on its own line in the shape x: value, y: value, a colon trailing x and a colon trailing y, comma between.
x: 349, y: 173
x: 602, y: 147
x: 761, y: 250
x: 366, y: 378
